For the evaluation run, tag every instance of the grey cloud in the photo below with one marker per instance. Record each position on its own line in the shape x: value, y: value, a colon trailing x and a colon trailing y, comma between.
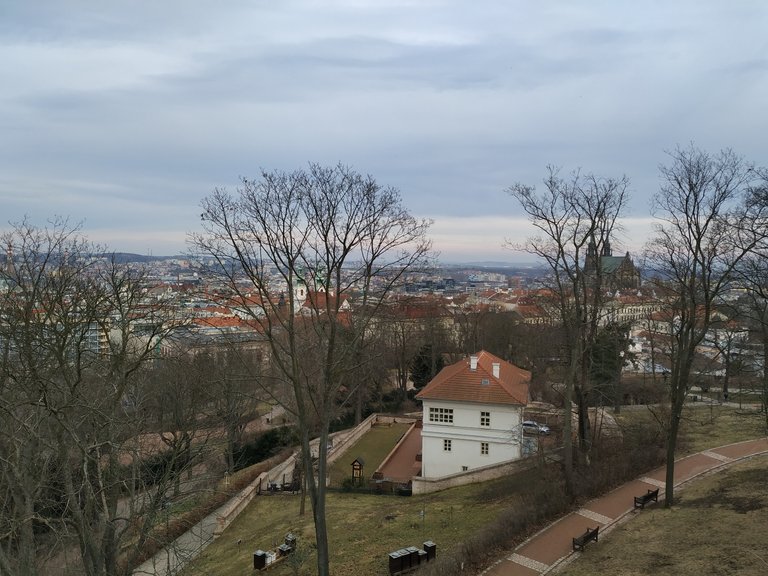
x: 450, y: 102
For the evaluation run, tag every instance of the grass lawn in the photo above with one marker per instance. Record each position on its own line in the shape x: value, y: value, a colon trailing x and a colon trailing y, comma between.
x: 717, y: 527
x: 706, y: 426
x: 703, y: 425
x: 364, y: 528
x: 373, y: 447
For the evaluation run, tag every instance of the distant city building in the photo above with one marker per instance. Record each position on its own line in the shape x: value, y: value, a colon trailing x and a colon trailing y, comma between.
x: 616, y: 272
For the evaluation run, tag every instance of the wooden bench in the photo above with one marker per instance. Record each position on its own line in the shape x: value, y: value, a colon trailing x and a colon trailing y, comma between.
x: 641, y: 501
x: 580, y: 541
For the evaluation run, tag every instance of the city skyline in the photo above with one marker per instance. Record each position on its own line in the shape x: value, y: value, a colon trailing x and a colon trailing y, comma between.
x: 125, y: 115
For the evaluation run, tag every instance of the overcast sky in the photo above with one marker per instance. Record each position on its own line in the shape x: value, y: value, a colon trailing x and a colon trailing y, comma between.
x: 125, y: 114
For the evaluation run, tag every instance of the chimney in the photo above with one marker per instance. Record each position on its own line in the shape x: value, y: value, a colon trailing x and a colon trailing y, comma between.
x: 473, y: 363
x: 496, y: 369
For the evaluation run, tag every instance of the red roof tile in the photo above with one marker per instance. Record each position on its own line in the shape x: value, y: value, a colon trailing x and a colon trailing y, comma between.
x: 460, y: 383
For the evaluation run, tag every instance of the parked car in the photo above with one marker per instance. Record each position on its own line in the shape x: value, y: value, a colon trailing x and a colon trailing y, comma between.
x: 533, y: 427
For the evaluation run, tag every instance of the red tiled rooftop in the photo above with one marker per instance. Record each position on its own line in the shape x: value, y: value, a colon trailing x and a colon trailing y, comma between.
x: 460, y: 383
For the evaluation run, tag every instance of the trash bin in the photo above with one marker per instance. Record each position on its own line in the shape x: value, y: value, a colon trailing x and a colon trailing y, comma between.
x: 259, y: 560
x: 413, y: 555
x: 422, y: 556
x: 431, y: 549
x: 395, y: 562
x: 405, y: 559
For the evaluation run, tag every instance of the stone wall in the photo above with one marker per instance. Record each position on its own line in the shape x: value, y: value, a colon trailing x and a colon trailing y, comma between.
x: 341, y: 442
x: 426, y: 485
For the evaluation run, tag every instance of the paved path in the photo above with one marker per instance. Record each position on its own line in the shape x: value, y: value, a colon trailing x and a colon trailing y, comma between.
x: 402, y: 464
x: 185, y: 548
x: 551, y: 547
x: 173, y: 558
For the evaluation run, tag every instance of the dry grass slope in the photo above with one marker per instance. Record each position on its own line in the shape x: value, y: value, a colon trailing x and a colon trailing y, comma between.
x: 364, y: 528
x: 718, y: 527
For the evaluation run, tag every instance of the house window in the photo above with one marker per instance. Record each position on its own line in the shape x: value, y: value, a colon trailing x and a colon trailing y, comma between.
x: 464, y: 468
x: 485, y: 419
x: 444, y: 415
x: 447, y: 445
x: 484, y: 448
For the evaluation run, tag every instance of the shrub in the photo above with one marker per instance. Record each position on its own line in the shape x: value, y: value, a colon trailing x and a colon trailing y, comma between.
x: 348, y: 484
x: 258, y: 448
x: 543, y: 498
x: 166, y: 532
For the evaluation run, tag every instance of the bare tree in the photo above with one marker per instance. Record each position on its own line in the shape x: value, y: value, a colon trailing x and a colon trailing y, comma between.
x: 76, y: 334
x: 754, y: 277
x: 179, y: 401
x: 575, y: 219
x: 487, y: 328
x: 236, y: 387
x: 373, y: 374
x: 403, y: 336
x: 712, y: 214
x: 727, y: 337
x: 314, y: 252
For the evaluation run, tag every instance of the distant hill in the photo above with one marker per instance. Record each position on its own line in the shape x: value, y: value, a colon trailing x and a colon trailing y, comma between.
x: 494, y: 264
x: 506, y: 268
x: 127, y: 257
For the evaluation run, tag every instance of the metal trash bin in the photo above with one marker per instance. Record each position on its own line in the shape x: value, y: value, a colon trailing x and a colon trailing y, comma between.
x: 406, y: 558
x: 395, y: 562
x: 259, y: 560
x: 431, y: 549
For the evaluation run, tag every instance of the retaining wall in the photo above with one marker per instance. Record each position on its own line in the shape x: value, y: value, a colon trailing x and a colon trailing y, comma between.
x: 341, y: 441
x: 426, y: 485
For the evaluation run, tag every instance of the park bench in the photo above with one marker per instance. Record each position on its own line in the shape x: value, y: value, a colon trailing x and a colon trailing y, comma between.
x: 580, y: 541
x: 641, y: 501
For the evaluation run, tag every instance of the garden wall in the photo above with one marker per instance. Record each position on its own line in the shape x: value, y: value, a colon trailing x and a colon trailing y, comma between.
x: 426, y: 485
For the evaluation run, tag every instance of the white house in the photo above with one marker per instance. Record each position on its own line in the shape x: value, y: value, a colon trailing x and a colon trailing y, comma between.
x: 473, y: 413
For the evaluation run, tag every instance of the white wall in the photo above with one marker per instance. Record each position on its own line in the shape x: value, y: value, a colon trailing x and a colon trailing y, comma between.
x: 504, y: 436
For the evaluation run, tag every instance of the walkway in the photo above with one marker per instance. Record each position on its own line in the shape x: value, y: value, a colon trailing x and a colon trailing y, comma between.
x: 402, y: 463
x: 173, y: 558
x: 551, y: 547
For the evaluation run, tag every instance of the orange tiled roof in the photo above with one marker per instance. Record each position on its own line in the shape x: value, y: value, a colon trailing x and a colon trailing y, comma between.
x: 460, y: 383
x: 319, y: 300
x: 220, y: 322
x: 531, y: 311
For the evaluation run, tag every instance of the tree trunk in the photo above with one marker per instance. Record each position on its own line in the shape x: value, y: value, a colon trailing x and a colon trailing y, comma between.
x: 303, y: 502
x: 317, y: 493
x: 359, y: 404
x: 585, y: 436
x: 765, y: 377
x: 568, y: 437
x: 669, y: 484
x: 676, y: 412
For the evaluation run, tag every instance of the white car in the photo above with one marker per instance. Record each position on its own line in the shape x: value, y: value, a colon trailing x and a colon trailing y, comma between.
x: 532, y: 427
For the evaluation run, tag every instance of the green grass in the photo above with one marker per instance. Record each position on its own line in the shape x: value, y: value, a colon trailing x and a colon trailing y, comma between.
x: 703, y: 425
x: 373, y: 447
x: 706, y: 426
x: 717, y: 527
x: 364, y: 528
